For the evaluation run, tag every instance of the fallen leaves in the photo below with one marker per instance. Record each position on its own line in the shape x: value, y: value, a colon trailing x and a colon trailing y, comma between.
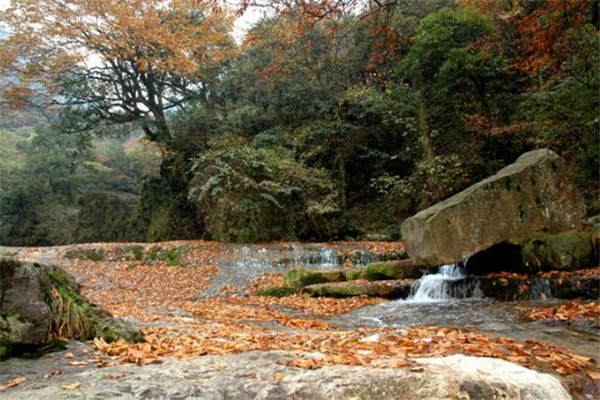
x: 55, y: 372
x: 12, y: 383
x: 567, y: 312
x: 314, y: 306
x: 390, y: 349
x: 229, y: 324
x: 71, y: 386
x: 564, y: 274
x: 594, y: 375
x: 78, y: 363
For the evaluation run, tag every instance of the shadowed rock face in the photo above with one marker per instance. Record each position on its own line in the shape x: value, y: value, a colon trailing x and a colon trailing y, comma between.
x: 534, y: 195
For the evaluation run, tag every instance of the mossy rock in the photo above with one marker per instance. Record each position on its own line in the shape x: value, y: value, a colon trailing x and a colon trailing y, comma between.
x: 94, y: 321
x: 564, y: 251
x: 305, y: 277
x: 404, y: 269
x: 277, y: 291
x: 388, y: 289
x: 354, y: 274
x: 53, y: 307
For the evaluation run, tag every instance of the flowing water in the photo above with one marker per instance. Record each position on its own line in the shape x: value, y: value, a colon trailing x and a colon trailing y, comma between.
x: 447, y: 298
x: 241, y: 263
x: 450, y: 282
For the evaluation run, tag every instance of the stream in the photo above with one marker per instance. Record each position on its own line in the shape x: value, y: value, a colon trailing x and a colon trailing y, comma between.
x: 438, y: 299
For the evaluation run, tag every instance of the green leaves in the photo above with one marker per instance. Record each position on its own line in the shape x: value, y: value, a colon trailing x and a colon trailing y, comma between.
x: 254, y: 194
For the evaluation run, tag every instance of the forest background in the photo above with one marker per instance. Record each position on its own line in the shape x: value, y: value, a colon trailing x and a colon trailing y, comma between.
x: 146, y: 120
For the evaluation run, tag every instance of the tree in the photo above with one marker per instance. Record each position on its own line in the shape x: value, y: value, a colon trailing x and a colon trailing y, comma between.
x: 113, y: 61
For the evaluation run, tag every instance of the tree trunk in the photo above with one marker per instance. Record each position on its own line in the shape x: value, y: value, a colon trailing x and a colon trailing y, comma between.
x: 422, y: 126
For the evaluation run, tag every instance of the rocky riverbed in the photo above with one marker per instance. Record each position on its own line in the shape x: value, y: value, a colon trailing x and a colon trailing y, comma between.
x: 240, y: 345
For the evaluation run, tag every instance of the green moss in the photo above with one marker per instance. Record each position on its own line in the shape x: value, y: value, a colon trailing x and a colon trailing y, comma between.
x: 277, y: 291
x: 565, y: 251
x: 109, y: 334
x: 138, y: 253
x: 339, y: 290
x: 305, y: 277
x: 354, y: 274
x: 57, y: 276
x: 154, y: 254
x: 138, y: 337
x: 379, y: 271
x: 92, y: 255
x: 174, y: 257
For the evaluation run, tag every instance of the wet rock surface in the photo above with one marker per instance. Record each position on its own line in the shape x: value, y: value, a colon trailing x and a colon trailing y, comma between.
x: 260, y: 375
x: 392, y: 289
x: 523, y: 200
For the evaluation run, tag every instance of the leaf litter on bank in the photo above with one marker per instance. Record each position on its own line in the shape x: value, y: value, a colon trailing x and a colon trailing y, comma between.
x: 228, y: 324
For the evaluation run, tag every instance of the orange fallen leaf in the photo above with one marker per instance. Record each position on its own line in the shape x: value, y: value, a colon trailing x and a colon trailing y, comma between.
x: 72, y: 386
x: 69, y: 355
x: 278, y: 376
x: 13, y: 383
x: 594, y: 375
x: 56, y: 372
x: 78, y: 363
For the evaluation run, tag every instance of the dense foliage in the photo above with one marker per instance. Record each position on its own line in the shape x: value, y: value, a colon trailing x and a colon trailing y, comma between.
x: 329, y: 120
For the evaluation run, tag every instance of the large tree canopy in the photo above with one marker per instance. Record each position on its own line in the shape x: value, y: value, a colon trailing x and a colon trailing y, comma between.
x: 113, y: 61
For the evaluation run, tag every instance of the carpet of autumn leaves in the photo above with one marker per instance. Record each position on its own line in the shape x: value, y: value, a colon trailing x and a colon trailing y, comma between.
x: 568, y: 312
x: 166, y: 302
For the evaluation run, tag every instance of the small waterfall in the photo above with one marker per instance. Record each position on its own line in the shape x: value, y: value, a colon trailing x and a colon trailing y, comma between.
x: 451, y: 282
x: 540, y: 290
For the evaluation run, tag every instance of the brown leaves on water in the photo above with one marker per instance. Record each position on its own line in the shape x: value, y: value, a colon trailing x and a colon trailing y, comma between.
x: 568, y: 312
x: 313, y: 305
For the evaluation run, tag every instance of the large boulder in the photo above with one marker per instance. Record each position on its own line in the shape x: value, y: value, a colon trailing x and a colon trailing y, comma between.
x: 40, y: 301
x: 564, y: 251
x: 24, y: 315
x: 261, y: 375
x: 532, y: 196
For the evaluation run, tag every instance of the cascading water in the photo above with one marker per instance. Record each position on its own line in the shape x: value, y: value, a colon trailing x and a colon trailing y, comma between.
x: 451, y: 282
x: 241, y: 263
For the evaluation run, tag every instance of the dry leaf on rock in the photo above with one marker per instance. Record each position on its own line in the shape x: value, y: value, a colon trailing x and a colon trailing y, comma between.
x: 13, y: 383
x: 72, y: 386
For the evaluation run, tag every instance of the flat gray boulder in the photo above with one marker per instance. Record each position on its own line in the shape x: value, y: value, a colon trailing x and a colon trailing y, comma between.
x: 259, y: 375
x: 534, y: 195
